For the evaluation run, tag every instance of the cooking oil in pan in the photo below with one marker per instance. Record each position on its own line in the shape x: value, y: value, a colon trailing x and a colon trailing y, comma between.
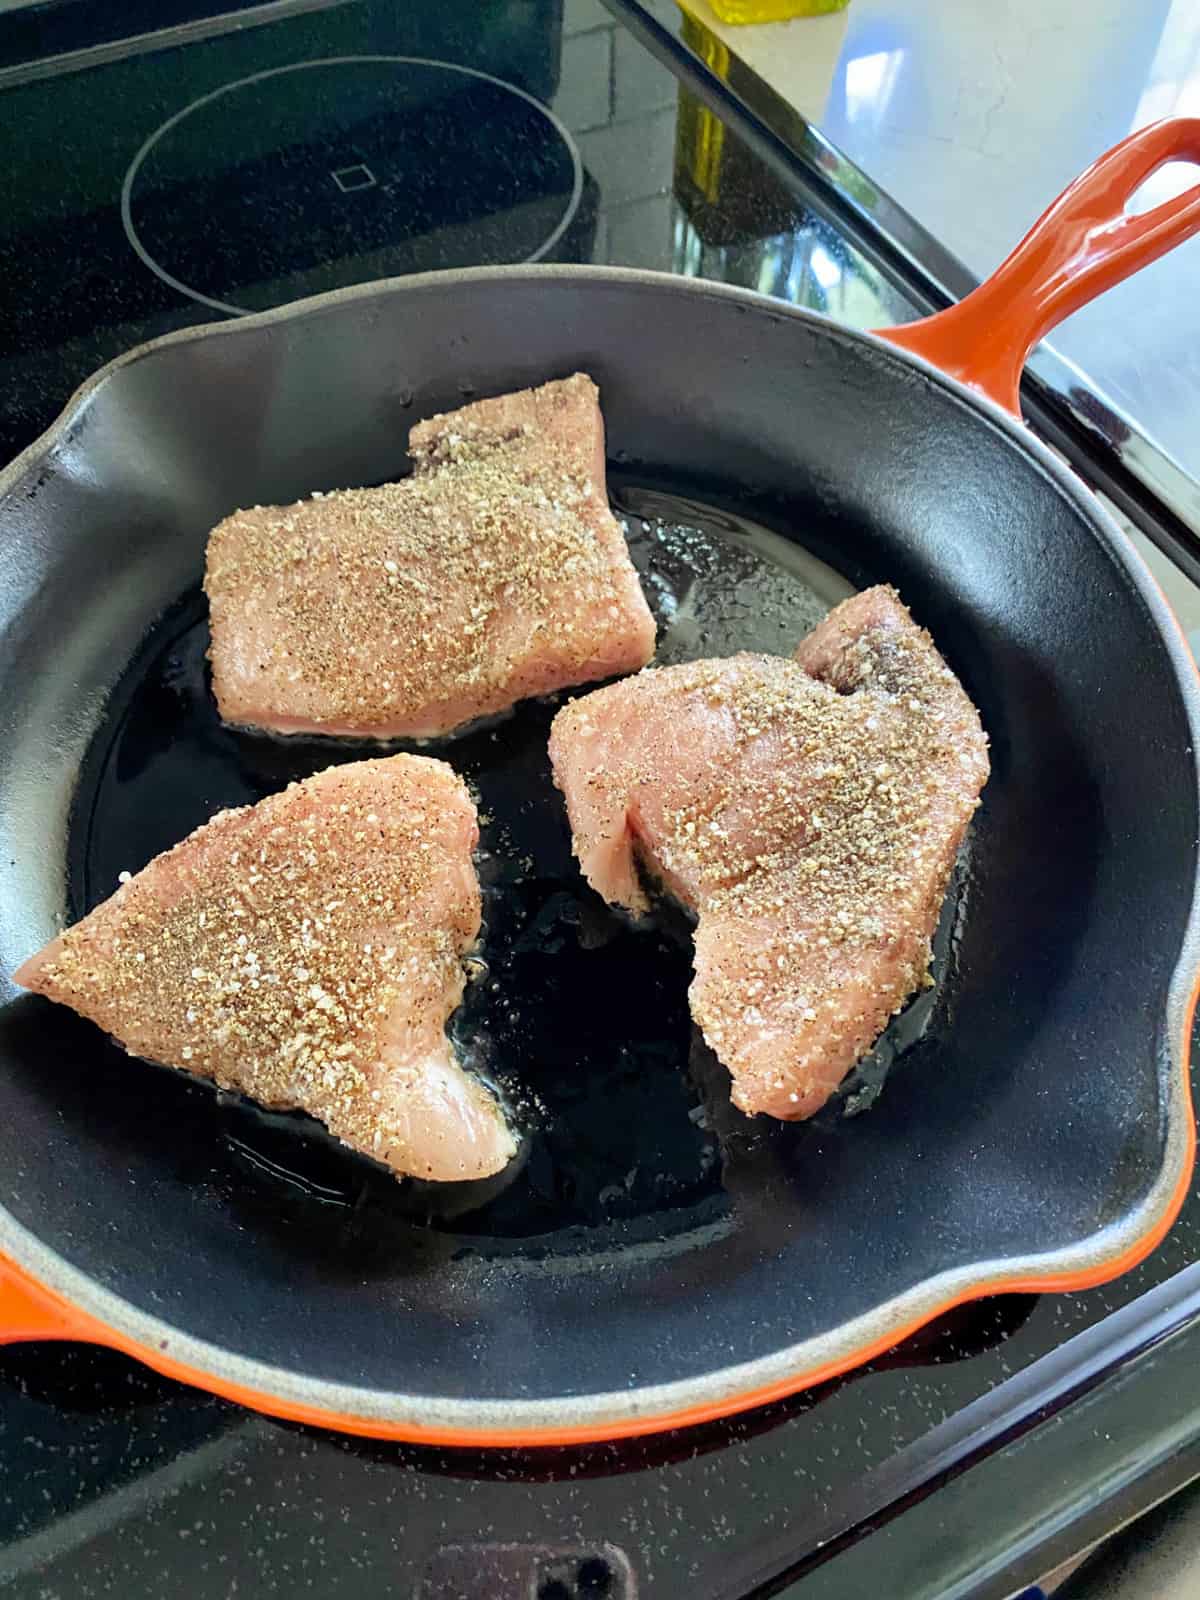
x: 718, y: 583
x: 577, y: 1017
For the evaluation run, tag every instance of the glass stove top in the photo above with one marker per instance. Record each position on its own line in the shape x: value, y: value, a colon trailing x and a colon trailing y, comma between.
x: 237, y: 164
x: 190, y: 182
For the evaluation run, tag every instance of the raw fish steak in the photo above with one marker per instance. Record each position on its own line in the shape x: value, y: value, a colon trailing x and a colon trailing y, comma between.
x: 809, y: 812
x: 306, y: 951
x: 495, y: 573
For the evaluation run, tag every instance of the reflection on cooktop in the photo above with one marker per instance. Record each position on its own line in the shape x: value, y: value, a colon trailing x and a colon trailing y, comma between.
x: 98, y: 1425
x: 331, y: 172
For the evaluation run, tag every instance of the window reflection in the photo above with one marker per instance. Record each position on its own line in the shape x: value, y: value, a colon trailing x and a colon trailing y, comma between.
x: 870, y: 84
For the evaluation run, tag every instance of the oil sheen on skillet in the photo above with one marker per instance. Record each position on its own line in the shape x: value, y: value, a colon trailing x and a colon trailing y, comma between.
x: 579, y: 1018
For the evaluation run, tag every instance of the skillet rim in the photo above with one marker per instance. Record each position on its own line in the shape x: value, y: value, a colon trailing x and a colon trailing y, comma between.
x: 79, y: 1304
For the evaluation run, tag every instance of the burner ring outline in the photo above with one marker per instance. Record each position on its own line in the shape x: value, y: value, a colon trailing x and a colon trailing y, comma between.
x: 226, y: 306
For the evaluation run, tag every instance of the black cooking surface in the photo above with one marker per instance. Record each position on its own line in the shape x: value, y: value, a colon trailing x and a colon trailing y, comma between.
x: 257, y: 163
x: 295, y: 196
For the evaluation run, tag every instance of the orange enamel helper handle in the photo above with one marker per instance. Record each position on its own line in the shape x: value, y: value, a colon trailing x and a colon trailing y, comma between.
x: 1081, y: 245
x: 26, y: 1312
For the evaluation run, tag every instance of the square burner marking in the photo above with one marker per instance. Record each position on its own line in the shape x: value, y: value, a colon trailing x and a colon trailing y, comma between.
x: 348, y: 179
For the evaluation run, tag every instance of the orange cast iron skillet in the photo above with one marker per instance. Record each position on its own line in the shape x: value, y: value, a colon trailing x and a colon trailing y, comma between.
x: 1039, y: 1136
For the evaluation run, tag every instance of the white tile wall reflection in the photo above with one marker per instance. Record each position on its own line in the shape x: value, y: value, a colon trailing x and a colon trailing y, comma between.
x: 621, y: 105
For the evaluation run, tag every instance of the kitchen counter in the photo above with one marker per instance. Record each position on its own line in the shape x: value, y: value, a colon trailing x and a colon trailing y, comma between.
x: 974, y: 116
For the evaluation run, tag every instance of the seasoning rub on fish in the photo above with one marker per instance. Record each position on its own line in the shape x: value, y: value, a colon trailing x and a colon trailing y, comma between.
x: 808, y: 810
x: 306, y: 951
x: 496, y: 572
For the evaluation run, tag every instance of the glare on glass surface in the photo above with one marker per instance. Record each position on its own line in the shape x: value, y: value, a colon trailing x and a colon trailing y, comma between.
x: 870, y: 80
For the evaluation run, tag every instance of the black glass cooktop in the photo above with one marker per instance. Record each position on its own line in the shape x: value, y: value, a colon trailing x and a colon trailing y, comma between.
x: 167, y: 182
x: 232, y: 162
x: 325, y: 173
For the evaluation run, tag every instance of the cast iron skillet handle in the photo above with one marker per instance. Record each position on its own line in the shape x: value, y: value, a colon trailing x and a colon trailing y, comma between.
x: 1083, y: 244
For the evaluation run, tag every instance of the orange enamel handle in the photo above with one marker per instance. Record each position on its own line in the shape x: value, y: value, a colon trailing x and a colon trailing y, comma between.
x: 1081, y: 245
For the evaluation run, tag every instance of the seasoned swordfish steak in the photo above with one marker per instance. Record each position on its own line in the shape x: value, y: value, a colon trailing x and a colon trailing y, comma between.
x: 809, y: 811
x: 306, y: 951
x: 496, y: 572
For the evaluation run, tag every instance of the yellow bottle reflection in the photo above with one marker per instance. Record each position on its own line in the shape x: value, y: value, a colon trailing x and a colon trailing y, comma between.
x: 774, y: 10
x: 736, y: 222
